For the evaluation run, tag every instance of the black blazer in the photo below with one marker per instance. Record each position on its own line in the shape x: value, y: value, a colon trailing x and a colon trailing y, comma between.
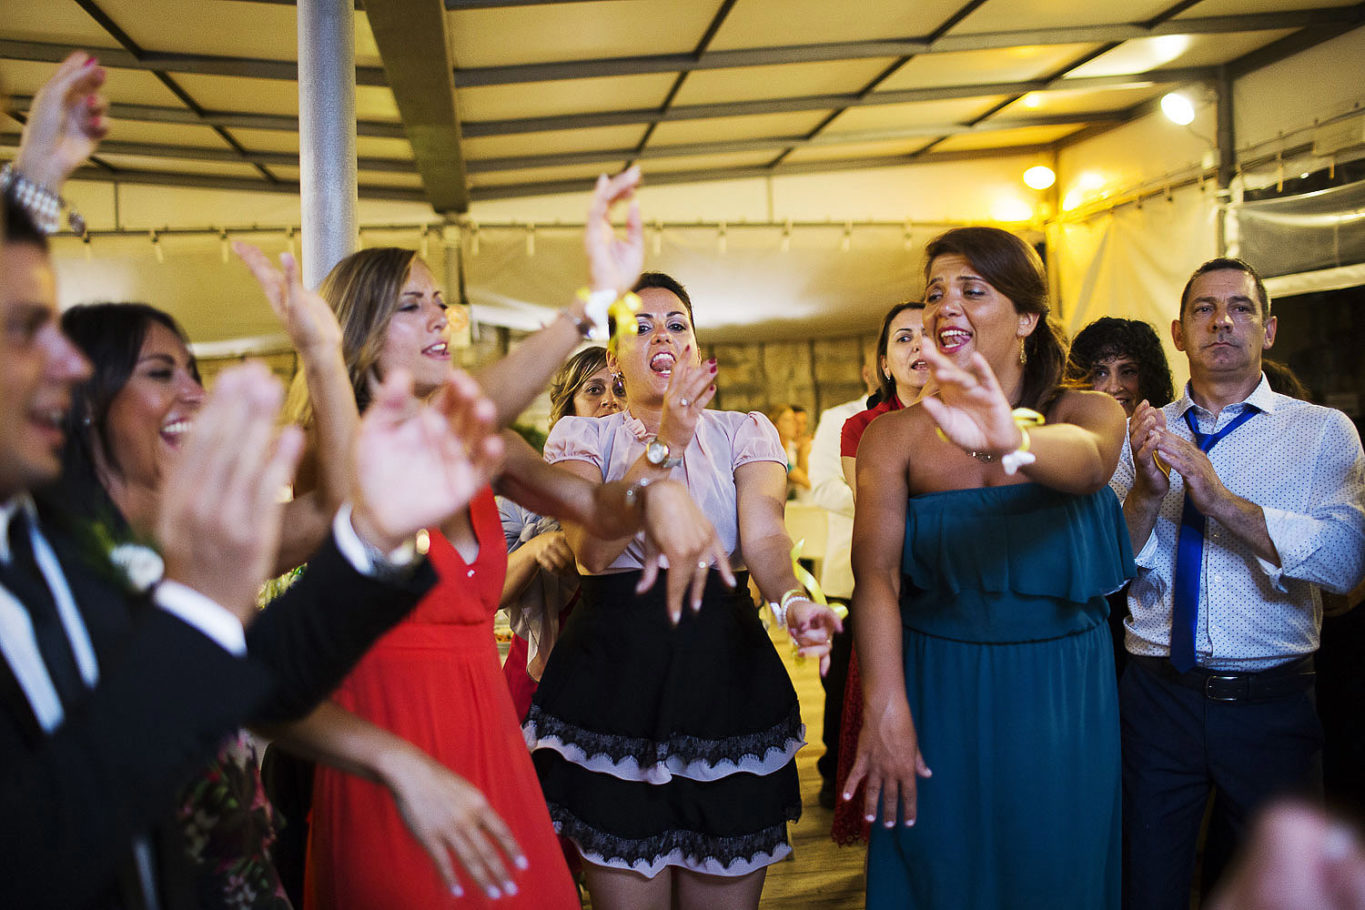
x: 71, y: 802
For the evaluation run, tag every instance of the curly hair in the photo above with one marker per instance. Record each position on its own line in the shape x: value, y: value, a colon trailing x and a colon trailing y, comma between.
x: 1110, y: 336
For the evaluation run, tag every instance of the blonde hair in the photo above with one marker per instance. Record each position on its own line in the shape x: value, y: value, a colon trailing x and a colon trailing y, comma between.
x: 363, y: 290
x: 570, y: 377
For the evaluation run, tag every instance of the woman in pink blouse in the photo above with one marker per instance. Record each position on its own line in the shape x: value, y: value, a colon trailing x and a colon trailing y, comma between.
x: 666, y: 751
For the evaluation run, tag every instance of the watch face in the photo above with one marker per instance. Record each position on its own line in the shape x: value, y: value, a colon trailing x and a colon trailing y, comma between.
x: 656, y: 452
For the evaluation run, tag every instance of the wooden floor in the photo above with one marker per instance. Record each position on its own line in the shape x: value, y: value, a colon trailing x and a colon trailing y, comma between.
x: 820, y: 875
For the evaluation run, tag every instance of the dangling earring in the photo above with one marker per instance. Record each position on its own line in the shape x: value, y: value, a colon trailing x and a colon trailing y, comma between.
x: 1023, y: 355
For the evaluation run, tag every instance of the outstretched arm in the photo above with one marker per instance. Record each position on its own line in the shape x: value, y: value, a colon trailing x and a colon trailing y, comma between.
x: 761, y: 495
x: 1076, y: 452
x: 888, y: 749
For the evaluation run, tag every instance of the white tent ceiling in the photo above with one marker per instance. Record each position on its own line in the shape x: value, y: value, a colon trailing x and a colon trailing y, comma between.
x: 549, y: 94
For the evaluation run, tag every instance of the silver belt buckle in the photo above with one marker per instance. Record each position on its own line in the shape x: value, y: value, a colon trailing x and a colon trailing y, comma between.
x: 1208, y: 688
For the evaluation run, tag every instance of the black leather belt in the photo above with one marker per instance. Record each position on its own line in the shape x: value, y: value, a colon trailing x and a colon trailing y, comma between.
x: 1221, y: 685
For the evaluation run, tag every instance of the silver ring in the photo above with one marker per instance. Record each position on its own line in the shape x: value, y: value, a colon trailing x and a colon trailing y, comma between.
x: 685, y: 402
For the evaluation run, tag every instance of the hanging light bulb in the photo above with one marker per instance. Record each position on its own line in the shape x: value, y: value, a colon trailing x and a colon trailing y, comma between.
x: 1177, y: 108
x: 156, y: 248
x: 359, y: 239
x: 909, y: 242
x: 289, y: 239
x: 787, y: 237
x: 1039, y: 177
x: 425, y: 241
x: 224, y: 248
x: 846, y: 242
x: 530, y: 240
x: 657, y: 238
x: 722, y: 242
x: 89, y: 252
x: 473, y: 239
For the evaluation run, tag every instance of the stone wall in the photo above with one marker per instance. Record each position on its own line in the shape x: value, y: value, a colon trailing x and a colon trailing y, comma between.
x: 817, y: 373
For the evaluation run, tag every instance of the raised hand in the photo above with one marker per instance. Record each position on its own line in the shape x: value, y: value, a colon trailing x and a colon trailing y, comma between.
x: 307, y: 317
x: 971, y: 409
x: 450, y: 817
x: 416, y: 464
x: 65, y: 122
x: 691, y: 386
x: 220, y: 512
x: 676, y: 530
x: 890, y: 760
x: 614, y: 263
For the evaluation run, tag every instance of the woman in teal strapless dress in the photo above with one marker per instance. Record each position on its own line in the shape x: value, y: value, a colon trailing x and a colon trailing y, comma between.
x: 991, y: 741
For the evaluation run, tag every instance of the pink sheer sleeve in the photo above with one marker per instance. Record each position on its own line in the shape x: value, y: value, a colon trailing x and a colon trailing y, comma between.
x: 756, y: 439
x: 575, y: 439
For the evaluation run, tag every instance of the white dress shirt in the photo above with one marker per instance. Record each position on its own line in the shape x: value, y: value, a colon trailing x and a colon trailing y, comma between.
x: 831, y: 492
x: 1303, y: 465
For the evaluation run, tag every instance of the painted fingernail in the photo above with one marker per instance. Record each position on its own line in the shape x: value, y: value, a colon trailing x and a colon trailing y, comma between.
x: 456, y: 891
x: 869, y: 818
x: 89, y: 61
x: 910, y: 823
x: 493, y: 892
x: 890, y: 823
x: 509, y: 888
x: 523, y: 863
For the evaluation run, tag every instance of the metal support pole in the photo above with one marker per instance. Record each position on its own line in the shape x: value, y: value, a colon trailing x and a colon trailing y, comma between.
x: 1227, y: 152
x: 327, y: 158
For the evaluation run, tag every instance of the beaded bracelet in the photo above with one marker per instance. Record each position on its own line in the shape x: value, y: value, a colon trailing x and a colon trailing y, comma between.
x: 42, y: 204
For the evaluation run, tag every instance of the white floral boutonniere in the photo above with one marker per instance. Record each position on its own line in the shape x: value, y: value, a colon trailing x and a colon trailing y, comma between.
x: 142, y: 567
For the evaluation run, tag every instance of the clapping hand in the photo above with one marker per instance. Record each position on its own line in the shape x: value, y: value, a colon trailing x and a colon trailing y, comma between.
x: 1145, y: 430
x: 676, y: 530
x: 971, y: 409
x: 614, y: 263
x: 416, y: 464
x: 220, y: 513
x: 65, y: 123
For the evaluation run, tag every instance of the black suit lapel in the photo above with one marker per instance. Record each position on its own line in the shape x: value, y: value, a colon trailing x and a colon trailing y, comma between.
x: 15, y: 702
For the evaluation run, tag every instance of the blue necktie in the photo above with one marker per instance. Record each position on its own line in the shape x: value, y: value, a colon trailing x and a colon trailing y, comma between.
x: 1189, y: 555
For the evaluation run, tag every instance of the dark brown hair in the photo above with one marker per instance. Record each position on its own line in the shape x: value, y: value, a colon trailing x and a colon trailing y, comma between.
x: 1013, y: 268
x: 1226, y: 263
x: 887, y: 384
x: 1110, y: 336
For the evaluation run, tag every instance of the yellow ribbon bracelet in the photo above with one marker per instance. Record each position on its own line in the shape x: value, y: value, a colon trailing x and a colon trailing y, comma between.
x: 623, y: 310
x: 807, y: 580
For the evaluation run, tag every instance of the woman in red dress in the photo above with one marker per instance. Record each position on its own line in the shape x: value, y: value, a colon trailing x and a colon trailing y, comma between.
x: 435, y: 679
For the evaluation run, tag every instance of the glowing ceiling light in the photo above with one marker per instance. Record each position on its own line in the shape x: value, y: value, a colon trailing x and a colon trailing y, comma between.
x: 1039, y: 177
x: 1012, y: 210
x: 1177, y: 108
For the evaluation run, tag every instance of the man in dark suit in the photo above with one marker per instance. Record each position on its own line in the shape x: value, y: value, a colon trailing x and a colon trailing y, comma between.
x: 108, y: 700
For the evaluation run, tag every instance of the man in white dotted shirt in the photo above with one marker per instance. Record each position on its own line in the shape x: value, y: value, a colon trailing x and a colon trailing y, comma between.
x: 1242, y: 504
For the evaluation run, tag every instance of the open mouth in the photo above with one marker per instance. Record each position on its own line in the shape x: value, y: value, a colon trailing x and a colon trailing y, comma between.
x: 919, y: 366
x: 51, y: 422
x: 173, y: 432
x: 950, y: 340
x: 440, y: 349
x: 662, y: 363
